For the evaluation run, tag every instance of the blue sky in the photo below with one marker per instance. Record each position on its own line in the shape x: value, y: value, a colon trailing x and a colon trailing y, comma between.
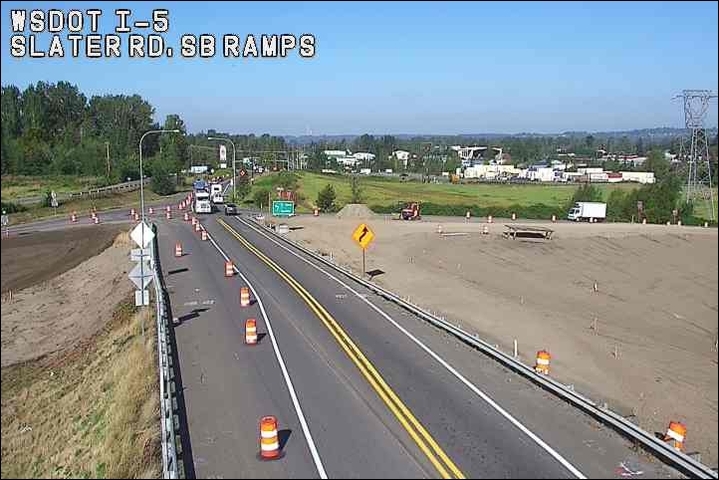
x: 404, y: 67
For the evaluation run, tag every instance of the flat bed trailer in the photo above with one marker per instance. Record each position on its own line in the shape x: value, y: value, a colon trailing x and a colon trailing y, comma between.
x: 527, y: 231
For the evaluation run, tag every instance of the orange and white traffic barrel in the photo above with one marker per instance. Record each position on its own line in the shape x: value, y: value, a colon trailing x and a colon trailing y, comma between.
x: 187, y: 217
x: 73, y: 217
x: 489, y: 219
x: 203, y: 235
x: 168, y: 215
x: 251, y: 331
x: 554, y: 218
x: 514, y: 216
x: 152, y: 211
x: 229, y: 269
x: 542, y: 365
x: 194, y: 221
x: 269, y: 440
x: 676, y: 433
x: 244, y: 297
x: 198, y: 227
x: 132, y: 212
x: 96, y: 220
x: 316, y: 212
x: 178, y: 249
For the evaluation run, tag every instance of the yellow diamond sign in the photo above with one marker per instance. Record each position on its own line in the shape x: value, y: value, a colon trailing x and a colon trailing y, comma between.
x: 363, y: 236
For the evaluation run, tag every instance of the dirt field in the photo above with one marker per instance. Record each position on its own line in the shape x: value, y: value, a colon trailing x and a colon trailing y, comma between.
x: 656, y: 304
x: 34, y: 258
x: 79, y: 381
x: 56, y: 313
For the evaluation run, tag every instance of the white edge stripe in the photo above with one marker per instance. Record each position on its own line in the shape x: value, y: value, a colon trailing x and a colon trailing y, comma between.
x: 451, y: 369
x: 305, y: 428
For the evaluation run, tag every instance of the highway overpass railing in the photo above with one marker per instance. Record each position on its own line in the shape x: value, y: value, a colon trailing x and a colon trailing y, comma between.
x: 679, y: 460
x: 165, y: 368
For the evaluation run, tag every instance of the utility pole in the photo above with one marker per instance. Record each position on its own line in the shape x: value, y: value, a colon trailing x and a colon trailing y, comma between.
x: 699, y: 179
x: 107, y: 148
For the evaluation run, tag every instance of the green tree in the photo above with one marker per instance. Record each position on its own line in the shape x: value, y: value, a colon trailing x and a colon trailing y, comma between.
x: 355, y: 189
x: 658, y: 164
x: 326, y: 198
x: 261, y: 197
x: 174, y: 146
x: 161, y: 170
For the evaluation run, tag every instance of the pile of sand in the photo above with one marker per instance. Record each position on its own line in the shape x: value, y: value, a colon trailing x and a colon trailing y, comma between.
x: 355, y: 210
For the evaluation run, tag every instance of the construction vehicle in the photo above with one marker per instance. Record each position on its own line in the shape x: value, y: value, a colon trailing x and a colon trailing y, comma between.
x: 410, y: 212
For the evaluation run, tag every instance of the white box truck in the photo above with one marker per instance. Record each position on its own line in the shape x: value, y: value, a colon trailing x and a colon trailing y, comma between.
x: 216, y: 193
x: 202, y: 202
x: 589, y: 211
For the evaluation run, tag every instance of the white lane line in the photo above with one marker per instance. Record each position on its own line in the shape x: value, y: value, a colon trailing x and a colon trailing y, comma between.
x: 295, y: 401
x: 575, y: 471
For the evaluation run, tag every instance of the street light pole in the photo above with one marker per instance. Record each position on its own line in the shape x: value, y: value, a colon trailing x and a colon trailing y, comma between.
x: 234, y: 152
x: 142, y: 209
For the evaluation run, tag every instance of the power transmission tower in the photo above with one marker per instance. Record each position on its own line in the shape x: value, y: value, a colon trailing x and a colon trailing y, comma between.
x: 699, y: 179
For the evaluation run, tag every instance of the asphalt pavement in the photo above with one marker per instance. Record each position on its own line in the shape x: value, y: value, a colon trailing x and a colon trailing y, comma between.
x: 360, y: 387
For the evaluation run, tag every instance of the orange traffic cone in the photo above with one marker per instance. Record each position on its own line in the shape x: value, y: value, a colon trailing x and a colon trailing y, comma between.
x: 251, y: 331
x: 269, y: 440
x: 542, y: 365
x: 178, y: 249
x: 229, y: 269
x: 675, y: 435
x: 244, y: 297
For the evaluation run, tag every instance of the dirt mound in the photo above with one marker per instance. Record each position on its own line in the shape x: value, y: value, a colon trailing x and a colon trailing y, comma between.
x: 355, y: 210
x: 37, y: 257
x: 54, y: 314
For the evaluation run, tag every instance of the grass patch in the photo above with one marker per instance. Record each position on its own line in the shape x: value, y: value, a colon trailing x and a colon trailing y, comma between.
x: 388, y: 192
x: 89, y: 412
x: 20, y: 186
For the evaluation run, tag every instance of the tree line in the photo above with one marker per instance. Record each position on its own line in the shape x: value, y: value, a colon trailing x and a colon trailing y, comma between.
x: 53, y: 128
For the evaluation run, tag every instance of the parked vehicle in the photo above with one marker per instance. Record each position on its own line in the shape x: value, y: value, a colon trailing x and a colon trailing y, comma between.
x: 410, y: 212
x: 589, y: 211
x: 231, y: 209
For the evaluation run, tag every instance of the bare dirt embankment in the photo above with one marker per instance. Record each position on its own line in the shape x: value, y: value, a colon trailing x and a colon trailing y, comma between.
x: 53, y: 314
x: 37, y: 257
x: 656, y: 304
x: 78, y: 378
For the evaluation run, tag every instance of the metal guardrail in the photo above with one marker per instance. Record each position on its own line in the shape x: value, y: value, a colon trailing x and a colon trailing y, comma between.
x: 677, y: 459
x: 92, y: 193
x: 166, y: 374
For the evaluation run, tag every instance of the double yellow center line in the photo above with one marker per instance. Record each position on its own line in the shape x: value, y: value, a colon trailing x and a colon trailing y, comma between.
x: 435, y: 454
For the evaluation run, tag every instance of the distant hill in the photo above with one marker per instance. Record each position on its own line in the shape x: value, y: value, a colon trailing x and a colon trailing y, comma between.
x: 649, y: 133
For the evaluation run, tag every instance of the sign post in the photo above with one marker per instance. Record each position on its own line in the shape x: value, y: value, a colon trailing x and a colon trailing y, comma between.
x: 363, y: 236
x: 141, y: 275
x: 53, y: 201
x: 5, y: 223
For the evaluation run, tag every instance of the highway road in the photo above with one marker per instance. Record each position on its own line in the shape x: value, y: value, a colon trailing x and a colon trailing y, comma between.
x: 360, y: 387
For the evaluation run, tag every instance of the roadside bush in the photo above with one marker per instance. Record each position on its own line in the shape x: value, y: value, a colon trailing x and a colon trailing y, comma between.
x: 9, y: 207
x: 326, y: 198
x: 259, y: 198
x: 534, y: 211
